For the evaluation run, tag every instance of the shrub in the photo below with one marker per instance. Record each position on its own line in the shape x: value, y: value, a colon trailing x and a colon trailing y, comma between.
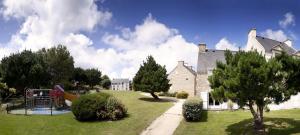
x: 85, y: 108
x: 114, y: 110
x: 230, y: 105
x: 267, y: 109
x: 182, y: 95
x: 192, y: 108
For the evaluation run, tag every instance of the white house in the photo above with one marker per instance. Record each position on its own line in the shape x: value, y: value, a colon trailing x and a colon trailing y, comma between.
x: 120, y: 84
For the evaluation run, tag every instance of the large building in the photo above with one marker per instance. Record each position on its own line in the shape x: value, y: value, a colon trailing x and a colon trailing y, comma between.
x: 182, y: 76
x: 120, y: 84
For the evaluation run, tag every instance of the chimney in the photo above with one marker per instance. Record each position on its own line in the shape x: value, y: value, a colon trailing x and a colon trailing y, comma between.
x: 181, y: 63
x: 252, y: 33
x: 288, y: 42
x: 202, y: 47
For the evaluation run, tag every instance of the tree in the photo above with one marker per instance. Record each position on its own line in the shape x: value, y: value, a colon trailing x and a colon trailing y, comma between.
x: 250, y: 80
x: 93, y: 77
x: 151, y: 77
x: 25, y: 69
x: 60, y: 64
x: 80, y: 76
x: 105, y: 83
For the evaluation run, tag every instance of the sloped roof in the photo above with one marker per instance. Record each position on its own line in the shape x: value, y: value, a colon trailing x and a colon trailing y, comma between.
x: 120, y: 80
x: 207, y: 60
x: 191, y: 70
x: 269, y: 44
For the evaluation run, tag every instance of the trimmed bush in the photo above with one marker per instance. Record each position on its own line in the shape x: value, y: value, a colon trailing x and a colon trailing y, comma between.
x: 114, y: 110
x: 85, y: 107
x: 182, y: 95
x: 192, y: 108
x: 230, y: 105
x: 98, y: 106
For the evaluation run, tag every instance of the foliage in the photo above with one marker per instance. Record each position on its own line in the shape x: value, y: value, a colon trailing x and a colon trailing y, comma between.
x: 93, y: 77
x: 25, y: 69
x: 151, y: 77
x: 192, y: 108
x: 182, y: 95
x: 114, y: 110
x: 247, y: 77
x: 99, y: 106
x: 167, y: 94
x: 105, y: 83
x: 85, y: 107
x: 60, y: 64
x: 230, y: 105
x: 80, y: 76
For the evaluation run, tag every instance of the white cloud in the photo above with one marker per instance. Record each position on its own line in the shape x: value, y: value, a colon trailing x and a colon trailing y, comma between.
x: 278, y: 35
x: 48, y: 23
x: 165, y: 44
x: 224, y: 44
x: 289, y: 19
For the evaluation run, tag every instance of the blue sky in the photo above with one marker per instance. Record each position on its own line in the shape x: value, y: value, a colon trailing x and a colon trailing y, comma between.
x: 116, y: 35
x: 207, y: 20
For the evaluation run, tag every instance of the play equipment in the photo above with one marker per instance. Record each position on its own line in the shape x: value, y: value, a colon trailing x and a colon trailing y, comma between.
x: 47, y: 99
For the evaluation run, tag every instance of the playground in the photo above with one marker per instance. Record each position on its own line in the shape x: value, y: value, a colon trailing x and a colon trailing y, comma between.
x: 44, y: 102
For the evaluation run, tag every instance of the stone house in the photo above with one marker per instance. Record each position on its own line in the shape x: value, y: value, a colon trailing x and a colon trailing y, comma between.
x: 183, y: 78
x: 207, y: 62
x: 120, y: 84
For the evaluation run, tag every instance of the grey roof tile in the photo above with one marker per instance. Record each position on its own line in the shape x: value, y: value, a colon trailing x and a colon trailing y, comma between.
x: 268, y: 44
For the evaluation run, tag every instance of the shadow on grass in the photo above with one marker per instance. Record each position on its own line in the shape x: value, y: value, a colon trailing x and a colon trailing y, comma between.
x: 273, y: 126
x: 103, y: 120
x: 150, y: 99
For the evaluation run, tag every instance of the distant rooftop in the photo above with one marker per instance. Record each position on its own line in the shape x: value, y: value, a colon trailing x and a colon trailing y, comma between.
x: 120, y: 80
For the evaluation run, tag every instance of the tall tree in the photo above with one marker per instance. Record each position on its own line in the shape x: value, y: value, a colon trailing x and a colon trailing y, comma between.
x: 151, y: 77
x: 25, y: 69
x: 80, y: 76
x: 60, y: 64
x: 105, y: 83
x: 251, y: 80
x: 93, y: 77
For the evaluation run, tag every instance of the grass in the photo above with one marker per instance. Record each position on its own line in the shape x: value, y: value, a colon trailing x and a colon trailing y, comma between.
x: 281, y: 122
x: 140, y: 114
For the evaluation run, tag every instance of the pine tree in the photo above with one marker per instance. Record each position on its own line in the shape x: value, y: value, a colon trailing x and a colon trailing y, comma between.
x: 250, y: 80
x: 151, y: 78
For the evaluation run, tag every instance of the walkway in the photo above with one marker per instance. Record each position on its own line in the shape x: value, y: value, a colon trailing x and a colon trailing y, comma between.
x: 167, y: 123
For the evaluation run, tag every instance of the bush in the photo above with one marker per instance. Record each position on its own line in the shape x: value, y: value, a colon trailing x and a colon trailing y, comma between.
x: 182, y: 95
x: 230, y: 105
x: 192, y: 108
x: 98, y: 106
x: 85, y: 108
x: 114, y: 110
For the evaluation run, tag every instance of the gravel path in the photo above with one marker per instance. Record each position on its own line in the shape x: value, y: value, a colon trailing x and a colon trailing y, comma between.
x: 167, y: 123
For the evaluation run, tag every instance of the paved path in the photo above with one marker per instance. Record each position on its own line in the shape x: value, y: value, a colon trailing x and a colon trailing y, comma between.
x: 167, y: 123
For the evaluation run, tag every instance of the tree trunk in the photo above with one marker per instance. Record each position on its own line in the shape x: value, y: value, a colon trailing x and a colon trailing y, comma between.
x: 258, y: 119
x: 154, y: 96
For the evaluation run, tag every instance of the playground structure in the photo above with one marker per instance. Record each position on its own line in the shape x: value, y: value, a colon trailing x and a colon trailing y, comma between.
x: 45, y: 100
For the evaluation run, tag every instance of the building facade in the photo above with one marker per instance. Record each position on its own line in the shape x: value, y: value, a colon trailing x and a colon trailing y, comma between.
x: 183, y: 78
x: 120, y: 84
x: 207, y: 59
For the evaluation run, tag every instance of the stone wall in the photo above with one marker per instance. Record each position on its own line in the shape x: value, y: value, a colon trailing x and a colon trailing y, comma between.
x: 202, y: 84
x: 182, y: 79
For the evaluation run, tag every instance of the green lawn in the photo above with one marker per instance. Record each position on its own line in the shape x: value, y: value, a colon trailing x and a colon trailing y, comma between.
x: 283, y: 122
x: 142, y: 111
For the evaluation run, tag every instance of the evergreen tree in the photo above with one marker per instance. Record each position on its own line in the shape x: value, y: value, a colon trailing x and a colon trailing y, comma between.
x: 250, y: 80
x: 105, y: 83
x: 151, y: 77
